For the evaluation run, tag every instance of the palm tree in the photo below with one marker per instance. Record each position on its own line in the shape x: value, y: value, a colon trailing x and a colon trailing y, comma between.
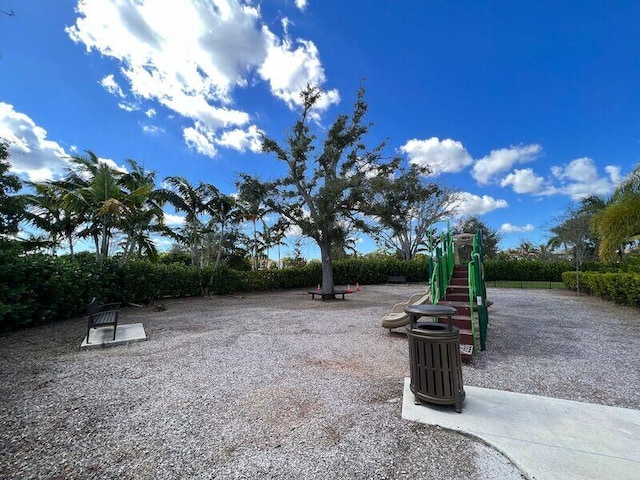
x: 191, y: 200
x: 619, y: 220
x: 251, y: 197
x: 143, y: 212
x: 94, y: 193
x: 222, y: 212
x: 46, y: 212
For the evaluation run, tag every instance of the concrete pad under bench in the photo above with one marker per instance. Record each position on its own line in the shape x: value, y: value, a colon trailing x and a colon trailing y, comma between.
x: 103, y: 336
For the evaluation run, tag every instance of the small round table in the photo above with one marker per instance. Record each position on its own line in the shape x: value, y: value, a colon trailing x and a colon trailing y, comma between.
x: 434, y: 356
x: 417, y: 311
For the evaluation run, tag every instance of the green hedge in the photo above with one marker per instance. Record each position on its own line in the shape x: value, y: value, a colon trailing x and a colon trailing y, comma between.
x: 35, y: 289
x: 530, y: 270
x: 623, y: 288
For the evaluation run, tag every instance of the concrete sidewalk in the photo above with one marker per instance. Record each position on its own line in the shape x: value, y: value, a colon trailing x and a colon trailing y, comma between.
x: 546, y: 438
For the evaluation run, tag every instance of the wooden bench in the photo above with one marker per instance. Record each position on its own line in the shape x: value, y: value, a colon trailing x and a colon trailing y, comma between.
x: 105, y: 315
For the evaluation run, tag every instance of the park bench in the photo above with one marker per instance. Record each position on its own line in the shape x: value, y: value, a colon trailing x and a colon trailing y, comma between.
x: 397, y: 279
x: 104, y: 315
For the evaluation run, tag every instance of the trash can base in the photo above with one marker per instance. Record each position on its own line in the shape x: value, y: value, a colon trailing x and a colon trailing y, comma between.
x: 421, y: 399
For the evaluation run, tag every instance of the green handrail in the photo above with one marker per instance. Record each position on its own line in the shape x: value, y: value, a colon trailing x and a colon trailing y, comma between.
x: 477, y: 287
x: 435, y: 283
x: 472, y: 295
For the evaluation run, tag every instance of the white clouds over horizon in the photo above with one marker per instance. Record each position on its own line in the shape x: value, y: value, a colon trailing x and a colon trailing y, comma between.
x: 509, y: 228
x: 577, y: 179
x: 31, y: 152
x: 189, y: 56
x: 580, y: 179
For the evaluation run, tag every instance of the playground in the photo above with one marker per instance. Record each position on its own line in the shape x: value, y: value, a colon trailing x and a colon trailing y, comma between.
x: 275, y: 385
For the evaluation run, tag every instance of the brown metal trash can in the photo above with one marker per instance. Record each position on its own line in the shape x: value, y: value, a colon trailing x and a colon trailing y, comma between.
x: 436, y: 367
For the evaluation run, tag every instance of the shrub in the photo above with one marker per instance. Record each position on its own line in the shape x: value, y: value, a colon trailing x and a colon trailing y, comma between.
x: 529, y: 270
x: 623, y: 288
x: 35, y: 289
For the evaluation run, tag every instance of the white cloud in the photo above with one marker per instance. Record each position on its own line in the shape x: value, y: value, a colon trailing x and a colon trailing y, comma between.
x: 580, y: 179
x: 170, y: 219
x: 580, y: 170
x: 469, y: 204
x: 242, y: 140
x: 523, y: 181
x: 31, y: 153
x: 199, y: 141
x: 129, y: 106
x: 289, y: 66
x: 152, y: 129
x: 301, y: 4
x: 501, y: 160
x: 189, y: 56
x: 614, y: 174
x: 150, y: 113
x: 509, y: 228
x: 293, y: 231
x: 109, y: 83
x: 111, y: 163
x: 438, y: 156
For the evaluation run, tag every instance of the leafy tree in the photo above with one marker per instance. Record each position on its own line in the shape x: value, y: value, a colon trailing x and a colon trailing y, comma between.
x: 619, y: 220
x: 573, y: 232
x: 326, y: 182
x: 490, y: 236
x: 405, y: 209
x: 12, y: 207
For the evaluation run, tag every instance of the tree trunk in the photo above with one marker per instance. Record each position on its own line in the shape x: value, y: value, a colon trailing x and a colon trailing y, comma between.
x: 279, y: 259
x: 327, y: 268
x: 70, y: 240
x: 104, y: 253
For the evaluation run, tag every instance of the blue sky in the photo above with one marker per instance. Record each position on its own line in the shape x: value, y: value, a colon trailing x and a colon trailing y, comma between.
x: 520, y: 106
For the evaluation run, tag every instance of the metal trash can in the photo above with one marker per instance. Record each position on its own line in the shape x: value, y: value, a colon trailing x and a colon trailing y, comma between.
x: 434, y: 357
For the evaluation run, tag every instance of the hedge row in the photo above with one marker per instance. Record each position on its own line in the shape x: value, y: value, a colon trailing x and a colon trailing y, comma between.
x: 528, y: 270
x: 36, y: 289
x: 621, y: 288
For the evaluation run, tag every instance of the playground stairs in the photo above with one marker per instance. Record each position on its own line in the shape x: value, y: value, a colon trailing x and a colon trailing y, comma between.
x: 457, y: 296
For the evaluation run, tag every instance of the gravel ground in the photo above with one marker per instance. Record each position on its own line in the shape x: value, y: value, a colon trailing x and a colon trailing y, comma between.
x: 275, y: 385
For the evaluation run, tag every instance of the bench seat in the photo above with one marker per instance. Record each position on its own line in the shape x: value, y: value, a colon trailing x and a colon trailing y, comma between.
x: 105, y: 315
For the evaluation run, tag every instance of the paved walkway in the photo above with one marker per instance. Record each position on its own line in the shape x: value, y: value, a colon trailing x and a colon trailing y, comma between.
x: 547, y: 438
